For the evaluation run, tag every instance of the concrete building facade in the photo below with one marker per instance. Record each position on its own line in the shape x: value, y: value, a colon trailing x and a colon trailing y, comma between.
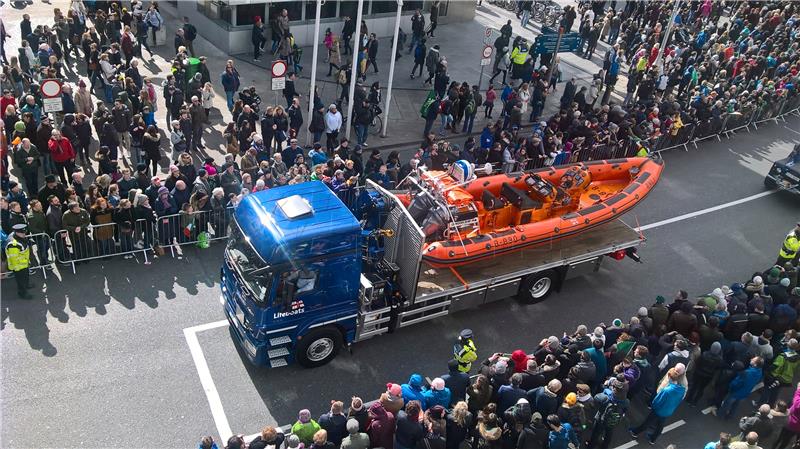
x: 228, y: 24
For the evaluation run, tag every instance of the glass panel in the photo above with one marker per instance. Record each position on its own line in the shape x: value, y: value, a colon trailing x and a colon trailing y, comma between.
x: 328, y: 10
x: 293, y: 8
x: 245, y: 14
x: 349, y: 9
x: 412, y: 5
x: 383, y: 7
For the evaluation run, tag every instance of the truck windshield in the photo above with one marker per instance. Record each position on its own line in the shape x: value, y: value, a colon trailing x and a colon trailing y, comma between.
x: 247, y: 265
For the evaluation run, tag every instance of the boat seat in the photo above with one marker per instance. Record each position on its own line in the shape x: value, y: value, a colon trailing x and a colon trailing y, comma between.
x: 491, y: 202
x: 518, y: 197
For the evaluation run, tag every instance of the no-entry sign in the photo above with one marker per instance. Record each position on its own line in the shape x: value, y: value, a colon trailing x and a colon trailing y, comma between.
x: 50, y: 88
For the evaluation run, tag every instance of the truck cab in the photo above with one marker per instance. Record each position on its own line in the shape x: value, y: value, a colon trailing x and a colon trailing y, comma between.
x: 292, y: 275
x: 785, y: 173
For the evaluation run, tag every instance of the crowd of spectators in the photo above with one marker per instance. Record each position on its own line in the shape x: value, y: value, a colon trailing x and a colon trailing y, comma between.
x: 718, y: 61
x: 577, y: 389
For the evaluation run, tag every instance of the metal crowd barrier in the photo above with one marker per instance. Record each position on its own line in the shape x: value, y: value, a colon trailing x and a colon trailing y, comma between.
x: 181, y: 229
x: 102, y: 242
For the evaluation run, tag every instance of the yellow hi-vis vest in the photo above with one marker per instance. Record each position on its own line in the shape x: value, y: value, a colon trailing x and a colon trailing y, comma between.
x: 18, y: 255
x: 790, y: 246
x: 465, y: 356
x: 519, y: 55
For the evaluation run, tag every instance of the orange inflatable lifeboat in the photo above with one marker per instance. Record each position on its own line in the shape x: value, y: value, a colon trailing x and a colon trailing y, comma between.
x: 466, y: 220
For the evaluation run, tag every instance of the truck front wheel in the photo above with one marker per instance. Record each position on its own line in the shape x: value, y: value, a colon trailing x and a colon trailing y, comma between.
x: 318, y: 347
x: 770, y: 183
x: 537, y: 287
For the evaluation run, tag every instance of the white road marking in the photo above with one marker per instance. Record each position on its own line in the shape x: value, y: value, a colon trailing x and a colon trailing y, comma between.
x: 214, y: 401
x: 673, y: 426
x: 207, y: 326
x: 698, y: 213
x: 627, y: 445
x: 707, y: 410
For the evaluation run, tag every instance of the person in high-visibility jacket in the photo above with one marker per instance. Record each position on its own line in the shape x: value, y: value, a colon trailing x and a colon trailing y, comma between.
x: 18, y: 255
x: 790, y: 247
x: 464, y: 351
x: 519, y: 56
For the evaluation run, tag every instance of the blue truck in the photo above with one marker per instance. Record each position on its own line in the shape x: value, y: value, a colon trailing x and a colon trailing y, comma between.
x: 306, y: 275
x: 785, y: 173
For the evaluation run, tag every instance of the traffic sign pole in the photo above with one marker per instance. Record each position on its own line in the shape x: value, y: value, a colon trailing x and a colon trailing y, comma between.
x: 555, y: 55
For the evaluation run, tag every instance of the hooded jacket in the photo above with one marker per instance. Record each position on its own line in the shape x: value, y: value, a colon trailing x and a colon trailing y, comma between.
x: 710, y: 361
x: 543, y: 400
x: 785, y: 366
x: 412, y: 391
x: 381, y: 427
x: 667, y: 399
x: 437, y: 397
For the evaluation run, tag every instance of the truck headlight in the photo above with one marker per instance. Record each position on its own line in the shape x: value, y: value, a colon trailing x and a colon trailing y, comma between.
x: 249, y: 347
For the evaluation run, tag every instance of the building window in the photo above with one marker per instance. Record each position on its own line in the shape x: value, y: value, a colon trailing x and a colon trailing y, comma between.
x: 246, y: 14
x: 411, y: 6
x: 327, y: 11
x: 295, y: 10
x: 384, y: 7
x: 348, y: 9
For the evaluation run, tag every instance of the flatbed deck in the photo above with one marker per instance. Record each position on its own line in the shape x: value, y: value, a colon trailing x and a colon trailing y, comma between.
x: 606, y: 238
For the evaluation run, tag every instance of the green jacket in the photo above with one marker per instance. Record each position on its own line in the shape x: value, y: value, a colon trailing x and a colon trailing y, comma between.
x: 306, y: 431
x: 71, y: 220
x: 37, y: 222
x: 785, y: 365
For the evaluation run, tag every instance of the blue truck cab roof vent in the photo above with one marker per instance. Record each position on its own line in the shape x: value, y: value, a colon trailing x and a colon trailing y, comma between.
x: 295, y: 206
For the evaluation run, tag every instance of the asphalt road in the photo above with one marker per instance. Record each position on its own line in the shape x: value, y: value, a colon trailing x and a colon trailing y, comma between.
x: 102, y: 360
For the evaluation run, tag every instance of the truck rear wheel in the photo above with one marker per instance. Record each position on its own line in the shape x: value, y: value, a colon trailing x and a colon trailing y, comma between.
x: 537, y: 287
x: 318, y: 347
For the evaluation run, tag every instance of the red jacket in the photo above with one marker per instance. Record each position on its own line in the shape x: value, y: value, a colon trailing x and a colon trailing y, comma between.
x: 61, y: 150
x: 4, y: 102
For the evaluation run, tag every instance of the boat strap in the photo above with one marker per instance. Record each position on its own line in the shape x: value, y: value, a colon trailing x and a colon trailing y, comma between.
x: 455, y: 273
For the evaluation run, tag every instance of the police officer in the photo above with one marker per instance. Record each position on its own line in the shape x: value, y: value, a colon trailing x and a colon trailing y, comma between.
x: 464, y: 351
x: 791, y: 245
x: 18, y: 255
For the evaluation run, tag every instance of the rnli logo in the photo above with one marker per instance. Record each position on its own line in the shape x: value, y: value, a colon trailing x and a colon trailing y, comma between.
x: 295, y: 308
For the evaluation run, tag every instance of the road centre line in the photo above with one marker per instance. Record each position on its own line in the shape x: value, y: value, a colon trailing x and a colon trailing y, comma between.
x: 673, y: 426
x: 709, y: 210
x: 200, y: 363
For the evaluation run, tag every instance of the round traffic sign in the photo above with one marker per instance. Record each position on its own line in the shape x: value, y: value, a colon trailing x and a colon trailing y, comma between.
x: 279, y: 68
x: 50, y: 88
x: 487, y: 51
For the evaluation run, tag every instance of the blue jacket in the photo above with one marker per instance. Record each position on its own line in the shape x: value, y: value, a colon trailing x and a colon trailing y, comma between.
x: 487, y: 138
x: 742, y: 385
x: 561, y: 439
x: 437, y: 397
x: 667, y: 400
x: 412, y: 391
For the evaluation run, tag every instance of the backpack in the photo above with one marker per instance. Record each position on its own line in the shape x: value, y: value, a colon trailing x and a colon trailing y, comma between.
x: 612, y: 414
x: 341, y: 77
x: 423, y: 111
x: 470, y: 106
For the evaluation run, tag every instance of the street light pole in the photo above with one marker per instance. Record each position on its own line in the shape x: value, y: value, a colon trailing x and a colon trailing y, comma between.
x: 354, y: 69
x: 391, y: 68
x: 313, y: 69
x: 668, y: 31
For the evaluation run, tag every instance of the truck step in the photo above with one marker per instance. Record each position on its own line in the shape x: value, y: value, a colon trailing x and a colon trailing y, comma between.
x: 277, y: 341
x: 371, y: 333
x: 277, y: 363
x: 278, y: 352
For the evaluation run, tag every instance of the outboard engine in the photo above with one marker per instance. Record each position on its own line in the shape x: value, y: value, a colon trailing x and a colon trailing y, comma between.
x: 435, y: 222
x: 420, y: 206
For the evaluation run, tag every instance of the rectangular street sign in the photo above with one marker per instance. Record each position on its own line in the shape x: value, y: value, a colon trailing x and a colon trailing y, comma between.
x: 52, y: 104
x: 278, y: 83
x: 486, y: 61
x: 546, y: 43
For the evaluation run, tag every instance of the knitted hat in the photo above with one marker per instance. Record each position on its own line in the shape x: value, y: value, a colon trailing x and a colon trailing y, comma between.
x: 660, y: 299
x: 642, y: 311
x: 571, y: 399
x: 617, y: 322
x: 758, y: 280
x: 438, y: 383
x: 785, y: 282
x: 292, y: 441
x: 394, y: 390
